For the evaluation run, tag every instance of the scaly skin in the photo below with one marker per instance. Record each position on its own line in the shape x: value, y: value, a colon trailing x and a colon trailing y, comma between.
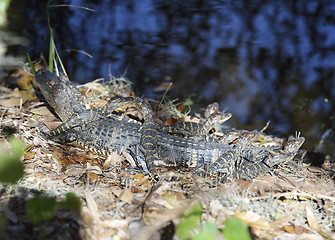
x: 197, y: 129
x: 60, y: 93
x: 149, y: 131
x: 111, y: 133
x: 90, y: 115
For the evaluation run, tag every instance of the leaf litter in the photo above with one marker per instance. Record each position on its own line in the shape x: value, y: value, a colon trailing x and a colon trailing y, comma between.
x: 297, y: 203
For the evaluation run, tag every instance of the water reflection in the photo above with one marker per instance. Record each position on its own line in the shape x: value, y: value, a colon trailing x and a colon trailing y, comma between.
x: 262, y: 60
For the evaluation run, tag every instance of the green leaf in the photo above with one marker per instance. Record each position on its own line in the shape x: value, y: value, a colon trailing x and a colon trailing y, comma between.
x: 190, y: 221
x: 40, y: 209
x: 51, y: 50
x: 31, y: 64
x: 189, y: 102
x: 208, y: 231
x: 236, y: 230
x: 73, y: 202
x: 11, y: 167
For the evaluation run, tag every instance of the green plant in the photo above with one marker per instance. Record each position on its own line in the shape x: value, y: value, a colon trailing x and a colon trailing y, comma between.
x: 236, y: 230
x: 11, y: 167
x: 187, y: 228
x: 41, y: 209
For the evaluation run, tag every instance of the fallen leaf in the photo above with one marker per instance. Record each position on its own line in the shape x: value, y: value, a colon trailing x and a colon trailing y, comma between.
x: 312, y: 221
x: 112, y: 160
x: 125, y: 195
x: 43, y: 111
x: 29, y: 155
x: 289, y: 229
x: 86, y: 216
x: 51, y: 125
x: 12, y: 102
x: 27, y: 95
x: 252, y: 219
x: 294, y: 229
x: 92, y: 206
x: 129, y: 158
x: 74, y: 170
x: 190, y: 119
x: 114, y: 223
x: 169, y: 121
x: 280, y: 222
x: 92, y: 176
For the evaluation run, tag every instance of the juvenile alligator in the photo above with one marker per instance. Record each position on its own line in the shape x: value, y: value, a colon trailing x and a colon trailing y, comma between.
x: 111, y: 133
x: 197, y: 129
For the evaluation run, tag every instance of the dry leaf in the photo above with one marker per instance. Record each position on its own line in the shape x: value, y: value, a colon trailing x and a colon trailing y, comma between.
x: 92, y: 206
x: 107, y: 234
x: 12, y: 102
x: 27, y: 95
x: 125, y: 195
x: 129, y: 158
x: 190, y: 119
x: 170, y: 121
x: 29, y: 155
x: 289, y: 229
x: 312, y: 221
x: 114, y: 223
x: 294, y: 229
x: 216, y: 208
x: 74, y: 170
x: 43, y: 111
x: 252, y: 219
x: 86, y: 216
x: 280, y: 222
x: 112, y: 160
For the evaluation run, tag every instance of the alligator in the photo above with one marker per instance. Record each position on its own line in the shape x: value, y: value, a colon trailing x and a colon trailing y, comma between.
x: 187, y: 129
x: 107, y: 132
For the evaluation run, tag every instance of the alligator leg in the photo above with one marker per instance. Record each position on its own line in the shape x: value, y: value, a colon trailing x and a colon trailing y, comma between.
x: 223, y: 166
x: 247, y: 171
x: 78, y: 120
x: 90, y: 115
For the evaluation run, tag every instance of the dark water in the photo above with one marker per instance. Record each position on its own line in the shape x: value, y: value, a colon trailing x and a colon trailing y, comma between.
x: 262, y: 60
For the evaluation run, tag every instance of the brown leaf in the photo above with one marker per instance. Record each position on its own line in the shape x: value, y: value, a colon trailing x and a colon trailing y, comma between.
x: 27, y: 95
x: 74, y: 170
x: 312, y: 221
x: 25, y: 81
x: 43, y: 111
x: 12, y: 102
x: 92, y: 176
x: 124, y: 194
x: 252, y: 219
x: 29, y: 155
x: 51, y: 125
x: 86, y: 216
x: 112, y: 160
x: 92, y: 206
x: 280, y: 222
x: 190, y: 119
x: 294, y: 229
x: 290, y: 229
x: 169, y: 121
